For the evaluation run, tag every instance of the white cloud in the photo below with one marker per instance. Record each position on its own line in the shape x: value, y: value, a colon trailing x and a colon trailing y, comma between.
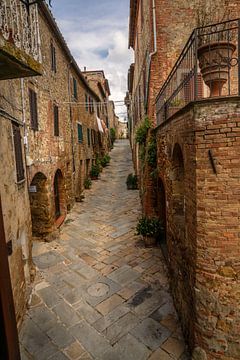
x: 101, y: 44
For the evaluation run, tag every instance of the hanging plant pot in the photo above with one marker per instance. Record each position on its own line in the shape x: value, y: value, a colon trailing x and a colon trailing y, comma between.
x: 215, y: 62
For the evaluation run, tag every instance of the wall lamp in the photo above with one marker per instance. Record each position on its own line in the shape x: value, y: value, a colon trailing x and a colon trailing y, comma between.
x: 28, y: 3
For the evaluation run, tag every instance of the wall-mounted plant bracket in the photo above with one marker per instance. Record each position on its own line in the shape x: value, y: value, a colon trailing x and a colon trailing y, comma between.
x: 212, y: 161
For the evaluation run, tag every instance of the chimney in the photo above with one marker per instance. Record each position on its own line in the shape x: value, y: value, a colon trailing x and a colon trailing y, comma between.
x: 85, y: 69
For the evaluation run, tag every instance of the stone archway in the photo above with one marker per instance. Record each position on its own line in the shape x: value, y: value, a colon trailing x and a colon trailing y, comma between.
x: 178, y: 192
x: 59, y: 195
x: 40, y: 205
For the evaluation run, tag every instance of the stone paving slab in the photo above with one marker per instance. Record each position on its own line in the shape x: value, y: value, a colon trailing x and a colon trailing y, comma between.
x: 99, y: 294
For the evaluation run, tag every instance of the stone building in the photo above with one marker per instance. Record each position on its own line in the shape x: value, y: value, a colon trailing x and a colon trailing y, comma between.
x: 62, y: 130
x: 194, y: 190
x: 50, y: 137
x: 100, y: 86
x: 20, y: 56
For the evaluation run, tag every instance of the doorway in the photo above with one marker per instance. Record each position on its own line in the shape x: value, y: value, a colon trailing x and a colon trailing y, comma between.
x: 9, y: 348
x: 58, y: 194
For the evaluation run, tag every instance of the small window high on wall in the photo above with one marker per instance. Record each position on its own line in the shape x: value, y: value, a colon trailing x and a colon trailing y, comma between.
x: 56, y: 120
x: 53, y: 58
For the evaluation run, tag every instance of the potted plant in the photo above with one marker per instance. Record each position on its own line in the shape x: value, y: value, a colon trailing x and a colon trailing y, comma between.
x: 87, y: 183
x: 215, y: 45
x: 105, y: 160
x: 150, y: 229
x: 132, y: 182
x: 94, y: 172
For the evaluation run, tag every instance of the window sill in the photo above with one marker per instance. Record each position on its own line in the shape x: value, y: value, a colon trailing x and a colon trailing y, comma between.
x: 20, y: 184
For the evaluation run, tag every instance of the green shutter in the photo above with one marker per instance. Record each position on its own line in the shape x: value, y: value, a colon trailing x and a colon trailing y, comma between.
x: 80, y: 133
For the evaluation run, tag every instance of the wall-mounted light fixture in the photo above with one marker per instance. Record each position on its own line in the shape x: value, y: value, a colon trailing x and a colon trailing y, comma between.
x: 28, y: 3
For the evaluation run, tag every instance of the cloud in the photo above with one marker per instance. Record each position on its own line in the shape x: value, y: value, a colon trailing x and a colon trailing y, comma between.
x: 99, y: 39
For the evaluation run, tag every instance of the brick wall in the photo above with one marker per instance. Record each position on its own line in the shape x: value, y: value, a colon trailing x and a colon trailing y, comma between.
x: 202, y: 211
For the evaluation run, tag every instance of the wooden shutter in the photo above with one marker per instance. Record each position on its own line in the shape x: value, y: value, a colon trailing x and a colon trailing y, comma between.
x: 56, y: 120
x: 89, y: 137
x: 80, y: 133
x: 53, y: 58
x: 18, y: 152
x: 33, y: 109
x: 75, y: 88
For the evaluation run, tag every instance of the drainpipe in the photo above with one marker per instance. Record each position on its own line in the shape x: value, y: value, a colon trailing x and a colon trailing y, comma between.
x: 154, y: 45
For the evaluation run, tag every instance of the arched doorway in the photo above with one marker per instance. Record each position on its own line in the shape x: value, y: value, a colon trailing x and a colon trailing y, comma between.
x: 40, y: 205
x: 59, y: 194
x: 178, y: 199
x: 162, y: 214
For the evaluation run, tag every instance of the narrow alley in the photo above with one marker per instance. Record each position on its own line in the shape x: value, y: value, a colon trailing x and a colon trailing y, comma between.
x: 99, y: 293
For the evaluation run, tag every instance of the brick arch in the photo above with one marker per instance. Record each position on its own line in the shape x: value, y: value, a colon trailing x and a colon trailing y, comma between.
x: 59, y: 194
x: 40, y: 205
x: 178, y: 191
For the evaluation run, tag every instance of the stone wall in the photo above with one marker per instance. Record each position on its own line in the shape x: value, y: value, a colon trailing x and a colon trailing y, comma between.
x: 202, y: 222
x: 15, y: 203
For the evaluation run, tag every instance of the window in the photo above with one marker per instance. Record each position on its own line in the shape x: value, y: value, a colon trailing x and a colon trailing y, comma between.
x: 56, y: 120
x: 93, y: 137
x: 75, y: 88
x: 80, y: 133
x: 33, y: 109
x: 86, y: 102
x: 89, y: 137
x: 18, y: 152
x: 53, y: 58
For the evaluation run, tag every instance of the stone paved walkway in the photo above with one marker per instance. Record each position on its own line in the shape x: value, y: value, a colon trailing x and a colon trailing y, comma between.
x: 99, y: 293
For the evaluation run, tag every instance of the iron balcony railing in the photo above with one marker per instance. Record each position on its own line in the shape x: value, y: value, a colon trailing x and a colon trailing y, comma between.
x: 20, y: 26
x: 207, y: 67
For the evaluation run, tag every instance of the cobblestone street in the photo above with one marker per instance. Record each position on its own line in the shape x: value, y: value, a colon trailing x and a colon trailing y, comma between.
x: 99, y: 293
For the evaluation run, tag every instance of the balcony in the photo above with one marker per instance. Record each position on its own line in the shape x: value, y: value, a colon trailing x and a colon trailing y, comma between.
x: 20, y: 53
x: 208, y: 67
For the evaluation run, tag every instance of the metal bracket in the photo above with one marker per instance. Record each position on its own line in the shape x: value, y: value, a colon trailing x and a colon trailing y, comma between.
x: 212, y: 161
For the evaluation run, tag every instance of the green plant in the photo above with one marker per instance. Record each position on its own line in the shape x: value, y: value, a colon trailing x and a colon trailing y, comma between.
x: 95, y: 171
x: 149, y: 227
x: 152, y: 152
x: 142, y: 131
x: 112, y: 135
x: 105, y: 160
x: 87, y: 183
x: 132, y: 182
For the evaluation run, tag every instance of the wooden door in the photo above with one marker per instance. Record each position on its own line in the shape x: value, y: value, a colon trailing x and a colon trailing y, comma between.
x: 57, y: 196
x: 9, y: 348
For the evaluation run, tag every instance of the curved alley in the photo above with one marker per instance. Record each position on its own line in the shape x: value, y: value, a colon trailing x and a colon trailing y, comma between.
x: 99, y: 293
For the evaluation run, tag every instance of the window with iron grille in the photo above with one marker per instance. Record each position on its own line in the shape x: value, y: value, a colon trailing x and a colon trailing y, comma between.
x: 33, y: 109
x: 53, y: 58
x: 56, y: 120
x: 18, y: 152
x: 80, y: 133
x: 75, y: 88
x: 89, y: 137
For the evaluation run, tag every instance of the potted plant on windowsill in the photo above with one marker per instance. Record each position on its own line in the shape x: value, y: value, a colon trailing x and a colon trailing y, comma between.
x: 150, y: 229
x: 215, y: 44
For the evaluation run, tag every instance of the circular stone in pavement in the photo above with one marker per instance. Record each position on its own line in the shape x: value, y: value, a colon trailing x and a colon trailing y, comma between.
x: 97, y: 290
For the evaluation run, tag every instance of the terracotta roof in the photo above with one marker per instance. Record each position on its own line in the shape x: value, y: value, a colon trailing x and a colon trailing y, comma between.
x: 132, y: 21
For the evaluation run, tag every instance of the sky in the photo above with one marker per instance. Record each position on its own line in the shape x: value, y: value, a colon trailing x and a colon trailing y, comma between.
x: 96, y: 32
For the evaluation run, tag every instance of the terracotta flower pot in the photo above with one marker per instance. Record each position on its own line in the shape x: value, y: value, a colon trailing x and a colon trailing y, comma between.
x: 214, y: 62
x: 149, y: 241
